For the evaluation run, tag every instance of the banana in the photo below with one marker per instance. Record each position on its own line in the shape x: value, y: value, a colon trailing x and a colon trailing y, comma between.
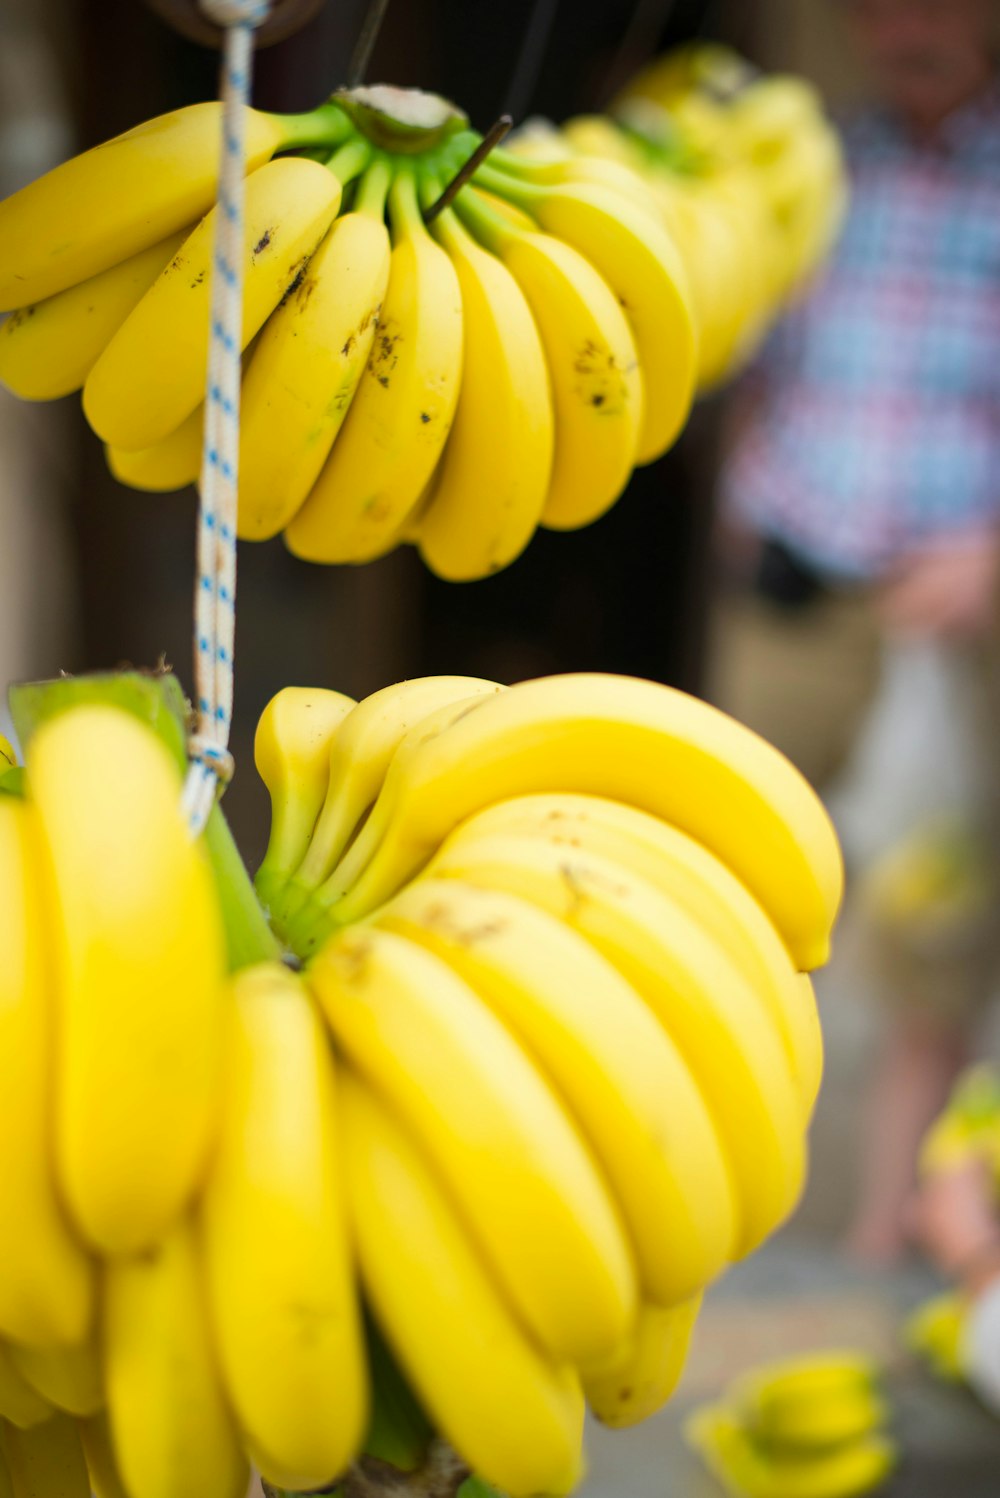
x: 747, y: 1471
x: 359, y: 757
x: 685, y: 871
x: 140, y: 953
x: 512, y: 1415
x: 403, y: 408
x: 19, y: 1402
x: 8, y: 758
x: 937, y: 1331
x: 613, y: 1064
x: 597, y: 388
x: 151, y: 375
x: 173, y: 1434
x: 487, y: 495
x: 292, y: 754
x: 46, y: 1287
x: 635, y: 256
x: 120, y: 197
x: 629, y: 740
x: 274, y: 1233
x: 469, y: 1093
x: 102, y: 1463
x: 49, y: 348
x: 67, y: 1377
x: 172, y: 463
x: 46, y: 1461
x: 640, y: 1382
x: 811, y: 1401
x: 308, y: 362
x: 719, y: 1025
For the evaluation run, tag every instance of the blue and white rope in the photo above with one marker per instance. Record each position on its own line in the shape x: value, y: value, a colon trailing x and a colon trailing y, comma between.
x: 211, y: 763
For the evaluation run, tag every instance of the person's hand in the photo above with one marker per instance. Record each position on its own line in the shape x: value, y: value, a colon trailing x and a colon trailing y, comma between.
x: 955, y: 1217
x: 948, y: 588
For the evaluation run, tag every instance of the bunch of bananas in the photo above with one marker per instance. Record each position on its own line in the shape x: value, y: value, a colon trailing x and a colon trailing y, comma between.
x: 548, y: 1069
x: 557, y: 931
x: 452, y: 384
x: 807, y: 1427
x: 746, y: 173
x: 969, y: 1127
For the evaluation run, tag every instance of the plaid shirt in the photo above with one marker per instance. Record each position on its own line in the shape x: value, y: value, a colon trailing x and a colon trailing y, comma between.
x: 874, y: 412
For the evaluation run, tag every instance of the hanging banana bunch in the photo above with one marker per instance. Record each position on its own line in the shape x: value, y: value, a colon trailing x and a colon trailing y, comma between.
x: 450, y: 379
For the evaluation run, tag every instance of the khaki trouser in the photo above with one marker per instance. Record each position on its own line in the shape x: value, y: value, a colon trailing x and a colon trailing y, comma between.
x: 806, y: 680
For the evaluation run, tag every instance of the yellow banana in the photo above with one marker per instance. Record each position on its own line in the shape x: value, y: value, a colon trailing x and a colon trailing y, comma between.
x: 685, y: 871
x: 308, y: 362
x: 597, y: 389
x: 125, y: 194
x: 748, y: 1471
x: 139, y: 947
x: 172, y: 463
x: 8, y: 759
x: 49, y: 348
x: 641, y: 1381
x: 281, y: 1290
x: 67, y: 1377
x: 630, y: 740
x: 151, y: 376
x: 811, y: 1402
x: 613, y: 1064
x: 467, y: 1090
x: 632, y: 251
x: 174, y: 1436
x: 102, y: 1463
x: 292, y: 754
x: 516, y: 1418
x: 358, y: 760
x: 19, y: 1402
x: 46, y: 1278
x: 46, y: 1461
x: 719, y: 1025
x: 487, y: 495
x: 403, y: 408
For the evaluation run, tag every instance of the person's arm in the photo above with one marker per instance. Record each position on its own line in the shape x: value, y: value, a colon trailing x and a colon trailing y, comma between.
x: 957, y: 1220
x: 947, y: 587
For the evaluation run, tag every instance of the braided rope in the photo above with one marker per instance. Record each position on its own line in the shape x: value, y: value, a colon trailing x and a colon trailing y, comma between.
x: 211, y: 764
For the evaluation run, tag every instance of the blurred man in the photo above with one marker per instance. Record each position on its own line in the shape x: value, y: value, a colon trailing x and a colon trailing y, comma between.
x: 861, y: 514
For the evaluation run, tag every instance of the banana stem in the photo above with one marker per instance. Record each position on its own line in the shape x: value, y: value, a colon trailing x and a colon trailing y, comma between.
x: 156, y: 698
x: 350, y: 160
x: 326, y: 126
x: 443, y: 1475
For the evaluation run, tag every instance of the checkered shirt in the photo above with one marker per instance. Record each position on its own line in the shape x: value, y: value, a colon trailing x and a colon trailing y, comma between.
x: 873, y: 415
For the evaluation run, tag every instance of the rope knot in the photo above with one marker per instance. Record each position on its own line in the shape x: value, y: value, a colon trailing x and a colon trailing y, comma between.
x: 215, y: 758
x: 236, y: 12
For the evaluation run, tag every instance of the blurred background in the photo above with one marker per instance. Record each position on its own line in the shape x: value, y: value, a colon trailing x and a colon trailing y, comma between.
x: 93, y: 575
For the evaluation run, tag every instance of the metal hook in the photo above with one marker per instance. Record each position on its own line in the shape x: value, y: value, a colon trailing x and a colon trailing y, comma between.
x: 489, y: 142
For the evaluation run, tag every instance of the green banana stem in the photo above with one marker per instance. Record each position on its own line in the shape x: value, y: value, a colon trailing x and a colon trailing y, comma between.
x: 443, y: 1475
x: 327, y: 125
x: 373, y: 188
x: 350, y: 160
x: 156, y: 698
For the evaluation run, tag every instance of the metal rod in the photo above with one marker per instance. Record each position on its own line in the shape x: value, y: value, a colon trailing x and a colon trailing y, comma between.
x: 528, y: 66
x: 365, y: 44
x: 489, y: 142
